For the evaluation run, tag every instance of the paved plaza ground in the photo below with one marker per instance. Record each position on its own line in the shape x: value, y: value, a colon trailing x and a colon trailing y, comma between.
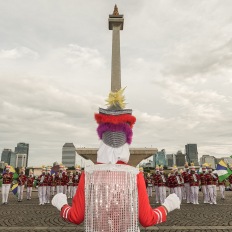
x: 28, y: 216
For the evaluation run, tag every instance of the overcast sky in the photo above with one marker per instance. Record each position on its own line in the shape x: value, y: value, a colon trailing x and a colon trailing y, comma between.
x: 55, y: 68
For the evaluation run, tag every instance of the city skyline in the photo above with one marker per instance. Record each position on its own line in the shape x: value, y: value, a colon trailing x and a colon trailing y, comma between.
x: 55, y: 73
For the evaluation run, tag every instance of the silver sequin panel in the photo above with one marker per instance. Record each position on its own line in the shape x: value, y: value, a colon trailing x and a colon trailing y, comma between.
x: 114, y: 139
x: 111, y: 198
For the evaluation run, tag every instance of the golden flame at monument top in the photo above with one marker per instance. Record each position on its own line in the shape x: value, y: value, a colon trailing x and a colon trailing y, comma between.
x: 115, y: 10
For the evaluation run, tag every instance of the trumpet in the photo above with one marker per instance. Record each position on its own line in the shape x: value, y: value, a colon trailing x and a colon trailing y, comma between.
x: 194, y: 178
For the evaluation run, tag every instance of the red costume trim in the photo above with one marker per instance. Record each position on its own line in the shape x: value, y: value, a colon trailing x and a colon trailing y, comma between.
x: 115, y: 119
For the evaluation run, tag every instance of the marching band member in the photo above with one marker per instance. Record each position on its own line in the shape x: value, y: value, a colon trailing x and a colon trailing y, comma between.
x: 6, y: 183
x: 183, y: 194
x: 65, y: 181
x: 215, y: 181
x: 185, y: 175
x: 76, y: 179
x: 59, y: 180
x: 30, y: 182
x: 194, y: 184
x: 176, y: 181
x: 155, y: 182
x: 203, y: 183
x: 21, y: 183
x: 171, y: 181
x: 162, y: 185
x: 53, y: 184
x: 49, y: 179
x: 230, y: 177
x: 111, y: 189
x: 149, y: 185
x: 42, y: 182
x: 210, y: 182
x: 70, y: 185
x: 221, y: 185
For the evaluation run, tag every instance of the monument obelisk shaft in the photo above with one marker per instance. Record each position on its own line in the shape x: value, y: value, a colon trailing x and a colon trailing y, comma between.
x: 116, y: 24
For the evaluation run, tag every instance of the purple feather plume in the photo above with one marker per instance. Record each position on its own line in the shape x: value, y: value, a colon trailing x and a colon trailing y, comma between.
x: 124, y: 127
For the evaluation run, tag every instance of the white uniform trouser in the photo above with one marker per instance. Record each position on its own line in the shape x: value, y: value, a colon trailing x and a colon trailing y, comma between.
x: 211, y: 194
x: 48, y: 194
x: 70, y: 191
x: 53, y: 190
x: 157, y: 194
x: 20, y: 192
x: 177, y: 191
x: 194, y: 191
x: 171, y: 190
x: 187, y: 192
x: 222, y: 190
x: 162, y: 193
x: 59, y: 189
x: 74, y: 190
x: 29, y: 191
x: 149, y: 191
x: 215, y: 193
x: 42, y: 194
x: 205, y: 193
x: 65, y: 189
x: 5, y: 192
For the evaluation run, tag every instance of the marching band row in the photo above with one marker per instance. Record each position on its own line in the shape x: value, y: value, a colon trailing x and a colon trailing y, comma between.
x: 47, y: 184
x: 186, y: 184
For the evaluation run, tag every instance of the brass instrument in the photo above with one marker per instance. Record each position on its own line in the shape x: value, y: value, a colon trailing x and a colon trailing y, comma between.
x: 163, y: 178
x: 194, y: 178
x: 178, y: 179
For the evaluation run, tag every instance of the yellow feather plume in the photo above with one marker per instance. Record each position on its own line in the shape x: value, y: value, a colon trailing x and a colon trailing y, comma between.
x: 116, y: 99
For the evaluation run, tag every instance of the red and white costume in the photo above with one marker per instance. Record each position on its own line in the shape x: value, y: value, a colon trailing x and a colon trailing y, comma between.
x: 210, y: 178
x: 70, y: 185
x: 30, y: 182
x: 221, y: 186
x: 21, y: 183
x: 203, y: 183
x: 49, y: 179
x: 6, y: 183
x: 185, y: 176
x: 42, y: 182
x: 194, y: 185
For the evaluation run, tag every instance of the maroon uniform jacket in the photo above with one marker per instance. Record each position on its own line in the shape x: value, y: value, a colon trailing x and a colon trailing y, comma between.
x: 210, y: 179
x: 185, y: 176
x: 161, y: 180
x: 230, y: 179
x: 155, y: 179
x: 22, y: 179
x: 203, y: 179
x: 172, y: 181
x: 61, y: 179
x: 49, y: 179
x: 7, y: 178
x: 30, y: 181
x: 76, y: 179
x: 42, y: 182
x: 194, y: 181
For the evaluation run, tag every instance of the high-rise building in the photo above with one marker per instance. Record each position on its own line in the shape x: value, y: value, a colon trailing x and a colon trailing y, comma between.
x: 170, y: 160
x: 69, y: 155
x: 13, y: 159
x: 180, y: 159
x: 6, y: 155
x: 23, y: 148
x: 2, y: 164
x: 160, y: 158
x: 191, y: 153
x: 208, y: 159
x: 21, y: 160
